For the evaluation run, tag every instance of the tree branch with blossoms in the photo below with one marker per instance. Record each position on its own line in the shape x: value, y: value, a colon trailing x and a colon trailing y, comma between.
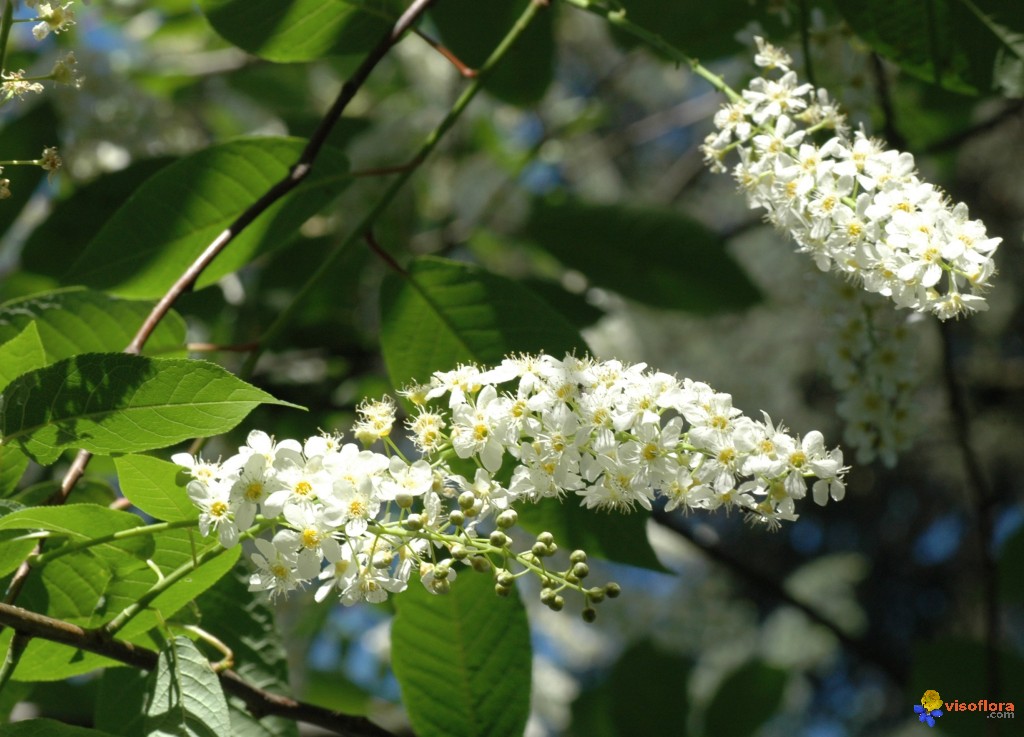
x: 612, y: 436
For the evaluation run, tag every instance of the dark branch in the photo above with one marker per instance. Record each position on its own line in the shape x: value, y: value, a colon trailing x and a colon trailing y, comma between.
x: 260, y: 703
x: 768, y: 586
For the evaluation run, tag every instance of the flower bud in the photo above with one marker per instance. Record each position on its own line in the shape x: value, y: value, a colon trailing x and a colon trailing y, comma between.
x: 507, y: 519
x: 589, y: 615
x: 499, y: 539
x: 480, y: 564
x: 581, y: 570
x: 578, y: 556
x: 546, y: 538
x: 612, y: 590
x: 413, y: 522
x: 466, y: 500
x: 457, y: 518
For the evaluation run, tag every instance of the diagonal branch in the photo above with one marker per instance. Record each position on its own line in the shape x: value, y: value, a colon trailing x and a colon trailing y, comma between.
x: 259, y: 702
x: 767, y: 585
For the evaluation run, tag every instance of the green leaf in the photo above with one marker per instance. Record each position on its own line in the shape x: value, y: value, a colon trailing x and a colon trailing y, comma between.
x: 74, y: 586
x: 649, y: 692
x: 301, y: 30
x: 172, y: 218
x: 155, y: 486
x: 74, y: 221
x: 474, y: 643
x: 445, y: 312
x: 25, y: 138
x: 762, y: 687
x: 12, y: 552
x: 471, y: 30
x: 13, y: 464
x: 971, y: 47
x: 116, y: 403
x: 618, y: 537
x: 700, y: 29
x: 22, y: 353
x: 120, y: 701
x: 49, y: 728
x: 657, y: 257
x: 80, y: 522
x: 185, y: 697
x: 245, y: 623
x: 73, y: 321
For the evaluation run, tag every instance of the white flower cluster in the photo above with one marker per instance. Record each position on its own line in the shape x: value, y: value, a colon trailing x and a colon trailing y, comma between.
x: 614, y: 435
x: 871, y: 356
x: 855, y: 206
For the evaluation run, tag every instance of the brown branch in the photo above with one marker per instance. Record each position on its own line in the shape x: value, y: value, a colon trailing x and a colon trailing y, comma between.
x: 464, y: 69
x: 259, y: 702
x: 863, y: 649
x: 384, y: 256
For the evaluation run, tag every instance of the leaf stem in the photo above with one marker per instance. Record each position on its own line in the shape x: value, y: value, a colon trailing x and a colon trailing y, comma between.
x: 43, y: 558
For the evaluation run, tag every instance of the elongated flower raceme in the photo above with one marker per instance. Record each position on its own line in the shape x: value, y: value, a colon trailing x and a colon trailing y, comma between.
x: 611, y: 435
x: 855, y: 206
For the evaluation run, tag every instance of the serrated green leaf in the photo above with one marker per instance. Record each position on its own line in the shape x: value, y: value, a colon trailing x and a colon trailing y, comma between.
x: 25, y: 138
x: 74, y: 221
x: 155, y: 486
x: 116, y: 403
x: 245, y: 623
x: 184, y: 696
x: 649, y: 692
x: 445, y: 312
x: 471, y: 30
x: 301, y: 30
x: 76, y: 522
x: 971, y: 47
x: 49, y: 728
x: 655, y: 256
x: 618, y: 537
x: 73, y: 321
x: 74, y: 586
x: 762, y: 687
x: 473, y: 642
x: 172, y: 218
x: 22, y: 353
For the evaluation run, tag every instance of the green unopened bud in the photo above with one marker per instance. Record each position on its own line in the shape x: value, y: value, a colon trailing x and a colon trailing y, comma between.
x: 589, y: 615
x: 507, y: 519
x: 546, y: 538
x: 557, y: 604
x: 595, y: 595
x: 539, y: 549
x: 459, y: 551
x: 480, y: 564
x: 457, y: 518
x: 578, y: 556
x: 413, y: 522
x: 502, y: 590
x: 404, y: 500
x: 547, y: 596
x: 612, y: 589
x: 581, y: 570
x: 466, y: 500
x: 499, y: 539
x: 440, y: 586
x: 505, y: 578
x: 442, y: 570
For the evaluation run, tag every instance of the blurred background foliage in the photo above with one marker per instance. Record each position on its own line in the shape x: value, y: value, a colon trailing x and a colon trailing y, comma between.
x: 577, y: 177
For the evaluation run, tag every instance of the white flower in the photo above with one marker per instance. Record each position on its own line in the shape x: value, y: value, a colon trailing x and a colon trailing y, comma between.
x: 279, y: 568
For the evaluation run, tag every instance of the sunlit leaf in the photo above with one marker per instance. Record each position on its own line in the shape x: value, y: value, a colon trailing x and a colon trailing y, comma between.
x: 473, y: 642
x: 117, y: 403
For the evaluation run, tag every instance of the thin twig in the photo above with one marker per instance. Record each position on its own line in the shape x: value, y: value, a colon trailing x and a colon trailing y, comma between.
x: 386, y: 257
x: 1013, y: 110
x: 464, y: 69
x: 259, y: 702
